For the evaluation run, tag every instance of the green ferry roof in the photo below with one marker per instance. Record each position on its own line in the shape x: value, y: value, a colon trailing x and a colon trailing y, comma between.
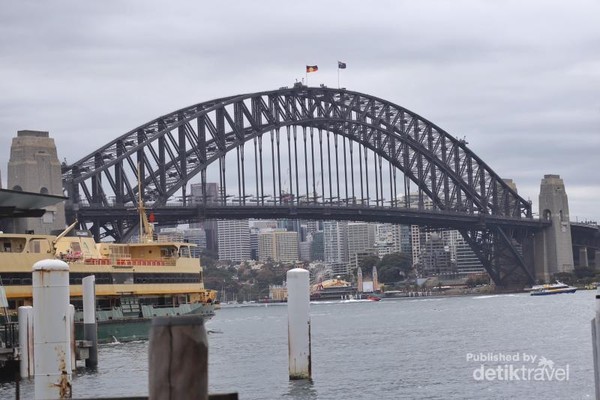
x: 17, y: 204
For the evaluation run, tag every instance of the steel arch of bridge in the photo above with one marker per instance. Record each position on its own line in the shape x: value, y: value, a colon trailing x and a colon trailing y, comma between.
x: 169, y: 151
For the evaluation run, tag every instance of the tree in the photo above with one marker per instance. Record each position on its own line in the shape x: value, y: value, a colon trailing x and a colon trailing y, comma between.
x: 394, y: 267
x: 367, y: 263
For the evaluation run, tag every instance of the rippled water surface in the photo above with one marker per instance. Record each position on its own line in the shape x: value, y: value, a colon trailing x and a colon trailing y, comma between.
x: 429, y: 348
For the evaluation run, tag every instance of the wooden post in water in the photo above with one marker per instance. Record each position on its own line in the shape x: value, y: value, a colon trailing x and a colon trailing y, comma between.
x: 178, y: 359
x: 26, y: 341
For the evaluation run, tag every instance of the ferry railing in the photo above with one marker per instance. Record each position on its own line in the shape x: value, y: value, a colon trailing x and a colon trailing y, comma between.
x: 9, y: 334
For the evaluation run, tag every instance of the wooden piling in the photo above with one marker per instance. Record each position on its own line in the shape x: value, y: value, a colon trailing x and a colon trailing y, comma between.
x: 178, y: 359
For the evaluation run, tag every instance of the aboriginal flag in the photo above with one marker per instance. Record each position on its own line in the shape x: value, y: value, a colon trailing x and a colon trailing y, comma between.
x: 341, y: 65
x: 312, y: 68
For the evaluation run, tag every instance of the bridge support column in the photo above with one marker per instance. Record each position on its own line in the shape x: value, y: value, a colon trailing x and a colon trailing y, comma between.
x: 553, y: 246
x: 583, y: 257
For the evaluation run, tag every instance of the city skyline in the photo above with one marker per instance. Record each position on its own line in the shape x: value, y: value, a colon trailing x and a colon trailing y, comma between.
x: 524, y: 97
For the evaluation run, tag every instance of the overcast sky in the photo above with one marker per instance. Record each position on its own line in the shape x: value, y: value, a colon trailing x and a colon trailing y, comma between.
x: 519, y: 79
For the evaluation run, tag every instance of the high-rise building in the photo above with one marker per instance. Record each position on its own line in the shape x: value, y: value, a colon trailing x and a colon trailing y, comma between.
x: 198, y: 237
x: 234, y: 240
x: 212, y: 193
x: 416, y: 201
x: 361, y: 237
x: 317, y: 247
x: 278, y: 246
x: 436, y: 258
x: 304, y: 249
x: 391, y: 238
x: 335, y: 240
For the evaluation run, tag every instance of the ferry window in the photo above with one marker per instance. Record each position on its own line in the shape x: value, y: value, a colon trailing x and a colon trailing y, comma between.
x: 7, y: 247
x: 37, y: 246
x: 184, y: 251
x: 122, y: 278
x: 167, y: 252
x: 75, y: 246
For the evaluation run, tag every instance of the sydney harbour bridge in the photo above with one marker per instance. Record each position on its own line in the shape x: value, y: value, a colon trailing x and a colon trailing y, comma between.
x: 305, y: 153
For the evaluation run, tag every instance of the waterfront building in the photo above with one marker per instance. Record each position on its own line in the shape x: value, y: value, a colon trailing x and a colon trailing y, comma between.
x: 278, y: 292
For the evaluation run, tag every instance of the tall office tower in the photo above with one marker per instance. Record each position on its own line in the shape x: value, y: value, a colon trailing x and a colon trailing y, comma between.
x: 311, y: 226
x: 304, y: 249
x: 234, y: 240
x: 210, y: 226
x: 34, y: 167
x: 389, y: 239
x: 405, y: 239
x: 198, y: 237
x: 335, y: 240
x: 413, y: 201
x: 278, y: 246
x: 317, y: 247
x: 466, y: 261
x: 361, y: 237
x: 212, y: 193
x: 254, y: 242
x: 435, y: 258
x: 461, y: 253
x: 415, y: 237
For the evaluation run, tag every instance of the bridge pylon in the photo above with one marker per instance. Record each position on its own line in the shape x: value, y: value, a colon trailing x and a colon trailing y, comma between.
x: 553, y: 245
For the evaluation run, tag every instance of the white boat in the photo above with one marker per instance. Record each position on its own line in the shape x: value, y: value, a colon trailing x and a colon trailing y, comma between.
x: 554, y: 288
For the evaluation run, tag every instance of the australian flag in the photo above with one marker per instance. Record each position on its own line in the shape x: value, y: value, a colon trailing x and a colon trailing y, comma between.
x: 341, y: 65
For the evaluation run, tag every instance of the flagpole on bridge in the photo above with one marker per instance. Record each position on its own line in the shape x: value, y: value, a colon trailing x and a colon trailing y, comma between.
x: 341, y: 65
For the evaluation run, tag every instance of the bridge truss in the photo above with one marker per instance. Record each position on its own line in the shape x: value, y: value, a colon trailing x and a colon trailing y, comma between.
x: 303, y: 152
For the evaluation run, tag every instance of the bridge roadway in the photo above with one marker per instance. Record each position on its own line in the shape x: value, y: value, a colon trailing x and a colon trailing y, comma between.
x: 170, y: 214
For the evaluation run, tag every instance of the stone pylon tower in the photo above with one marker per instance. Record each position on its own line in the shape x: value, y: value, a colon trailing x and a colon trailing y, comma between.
x: 360, y: 280
x: 34, y: 167
x: 375, y: 280
x: 553, y: 246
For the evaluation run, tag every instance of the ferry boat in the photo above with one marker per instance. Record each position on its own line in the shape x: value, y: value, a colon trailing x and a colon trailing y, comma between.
x: 134, y: 281
x: 554, y: 288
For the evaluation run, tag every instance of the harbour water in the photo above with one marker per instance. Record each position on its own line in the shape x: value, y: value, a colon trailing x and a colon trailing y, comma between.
x: 479, y: 347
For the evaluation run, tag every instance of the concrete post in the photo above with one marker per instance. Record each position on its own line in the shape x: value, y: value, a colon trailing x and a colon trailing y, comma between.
x: 299, y: 324
x: 51, y: 334
x: 90, y: 328
x: 178, y: 359
x: 71, y: 333
x: 596, y: 345
x: 26, y: 341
